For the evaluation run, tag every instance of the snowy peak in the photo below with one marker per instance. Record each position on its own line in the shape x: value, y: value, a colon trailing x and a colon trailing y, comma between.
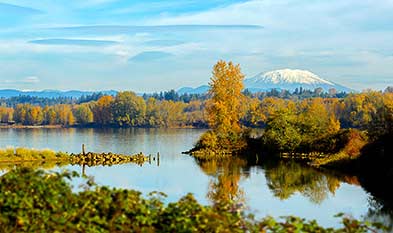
x: 290, y: 80
x: 291, y: 76
x: 285, y: 79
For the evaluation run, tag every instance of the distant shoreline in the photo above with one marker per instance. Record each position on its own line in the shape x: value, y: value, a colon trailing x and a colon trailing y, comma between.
x: 31, y: 126
x: 88, y: 127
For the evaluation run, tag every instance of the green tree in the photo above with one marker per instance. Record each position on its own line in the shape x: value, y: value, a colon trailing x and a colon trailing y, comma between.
x: 129, y: 109
x: 83, y: 114
x: 282, y: 131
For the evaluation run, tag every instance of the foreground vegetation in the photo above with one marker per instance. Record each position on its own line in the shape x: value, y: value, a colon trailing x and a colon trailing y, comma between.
x: 34, y: 201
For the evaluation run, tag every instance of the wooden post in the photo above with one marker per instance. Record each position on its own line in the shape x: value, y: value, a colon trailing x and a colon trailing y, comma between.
x: 158, y: 159
x: 83, y: 149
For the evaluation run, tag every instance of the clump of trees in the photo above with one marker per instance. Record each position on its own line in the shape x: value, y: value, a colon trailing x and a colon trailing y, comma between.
x: 299, y: 126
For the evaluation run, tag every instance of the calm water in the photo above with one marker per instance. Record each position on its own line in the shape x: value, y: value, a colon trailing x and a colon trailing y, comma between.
x: 277, y: 189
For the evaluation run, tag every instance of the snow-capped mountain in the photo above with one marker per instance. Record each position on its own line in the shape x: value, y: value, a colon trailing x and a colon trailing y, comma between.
x: 285, y: 79
x: 290, y: 80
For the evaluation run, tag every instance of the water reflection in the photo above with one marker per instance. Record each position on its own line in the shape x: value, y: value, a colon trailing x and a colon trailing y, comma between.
x: 283, y: 178
x: 46, y: 165
x: 226, y: 173
x: 286, y: 178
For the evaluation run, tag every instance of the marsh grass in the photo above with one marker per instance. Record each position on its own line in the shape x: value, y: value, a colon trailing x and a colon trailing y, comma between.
x: 11, y: 154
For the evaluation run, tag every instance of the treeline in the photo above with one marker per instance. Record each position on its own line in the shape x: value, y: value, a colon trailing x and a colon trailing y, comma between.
x: 126, y: 109
x: 368, y: 110
x: 174, y: 96
x: 297, y: 94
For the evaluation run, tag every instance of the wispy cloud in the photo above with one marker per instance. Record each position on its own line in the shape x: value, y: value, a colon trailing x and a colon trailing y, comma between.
x: 131, y: 30
x: 80, y: 42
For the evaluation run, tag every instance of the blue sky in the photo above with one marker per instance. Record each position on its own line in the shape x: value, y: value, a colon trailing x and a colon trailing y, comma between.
x: 148, y: 46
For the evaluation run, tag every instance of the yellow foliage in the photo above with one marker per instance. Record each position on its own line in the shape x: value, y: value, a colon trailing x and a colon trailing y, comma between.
x: 224, y: 107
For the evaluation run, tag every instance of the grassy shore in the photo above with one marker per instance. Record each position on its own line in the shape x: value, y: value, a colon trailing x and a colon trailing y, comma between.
x: 22, y: 155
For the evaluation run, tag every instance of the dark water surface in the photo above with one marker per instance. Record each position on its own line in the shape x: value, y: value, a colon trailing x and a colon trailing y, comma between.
x: 273, y: 188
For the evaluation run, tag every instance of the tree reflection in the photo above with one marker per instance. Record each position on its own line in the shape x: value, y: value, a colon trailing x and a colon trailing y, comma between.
x: 226, y: 173
x: 286, y: 178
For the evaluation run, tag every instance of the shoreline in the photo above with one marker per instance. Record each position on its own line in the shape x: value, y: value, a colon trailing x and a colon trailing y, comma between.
x: 88, y: 127
x: 31, y: 126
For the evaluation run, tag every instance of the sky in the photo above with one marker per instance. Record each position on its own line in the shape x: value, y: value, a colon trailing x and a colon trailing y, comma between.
x: 149, y: 46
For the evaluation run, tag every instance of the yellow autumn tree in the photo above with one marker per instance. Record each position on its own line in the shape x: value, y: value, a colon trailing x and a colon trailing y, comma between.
x: 224, y: 109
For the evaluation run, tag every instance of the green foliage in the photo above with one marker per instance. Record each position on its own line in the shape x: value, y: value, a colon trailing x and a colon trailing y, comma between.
x: 297, y: 127
x: 282, y: 132
x: 36, y: 201
x: 128, y: 109
x: 83, y: 114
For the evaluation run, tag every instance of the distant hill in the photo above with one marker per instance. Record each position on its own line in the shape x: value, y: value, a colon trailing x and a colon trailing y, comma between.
x: 190, y: 90
x: 7, y: 93
x: 280, y: 79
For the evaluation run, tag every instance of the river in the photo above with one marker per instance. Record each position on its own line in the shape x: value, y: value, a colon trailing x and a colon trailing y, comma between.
x: 271, y: 188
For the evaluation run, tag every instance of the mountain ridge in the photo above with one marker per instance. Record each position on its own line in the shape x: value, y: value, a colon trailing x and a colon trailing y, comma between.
x: 282, y: 79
